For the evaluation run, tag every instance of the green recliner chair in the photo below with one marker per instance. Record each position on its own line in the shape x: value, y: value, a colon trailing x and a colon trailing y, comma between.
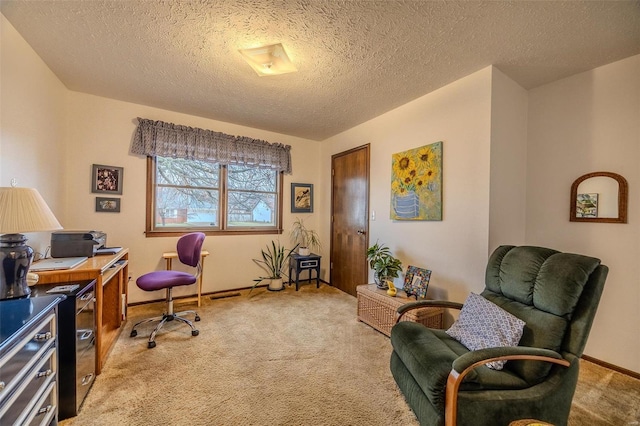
x: 556, y: 294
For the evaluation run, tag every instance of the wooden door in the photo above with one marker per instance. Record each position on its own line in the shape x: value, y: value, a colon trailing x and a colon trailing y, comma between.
x: 350, y: 214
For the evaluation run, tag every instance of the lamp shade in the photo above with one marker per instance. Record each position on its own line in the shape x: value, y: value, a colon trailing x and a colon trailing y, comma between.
x: 24, y: 210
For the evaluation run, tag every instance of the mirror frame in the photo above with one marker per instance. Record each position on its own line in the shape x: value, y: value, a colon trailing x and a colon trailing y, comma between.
x: 623, y: 193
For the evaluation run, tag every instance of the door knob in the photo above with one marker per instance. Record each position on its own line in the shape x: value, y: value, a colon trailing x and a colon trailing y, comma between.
x: 361, y: 232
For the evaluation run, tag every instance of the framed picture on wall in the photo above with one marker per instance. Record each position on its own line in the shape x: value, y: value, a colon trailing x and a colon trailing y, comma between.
x: 301, y: 198
x: 106, y: 179
x: 108, y: 205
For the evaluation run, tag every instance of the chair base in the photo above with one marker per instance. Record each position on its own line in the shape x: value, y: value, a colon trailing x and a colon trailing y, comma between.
x: 163, y: 320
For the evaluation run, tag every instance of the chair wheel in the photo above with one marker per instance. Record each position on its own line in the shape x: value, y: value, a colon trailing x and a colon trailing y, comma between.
x: 134, y: 333
x: 197, y: 318
x: 194, y: 332
x: 151, y: 345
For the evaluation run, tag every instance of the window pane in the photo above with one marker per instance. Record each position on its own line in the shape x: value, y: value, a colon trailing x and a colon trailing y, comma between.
x: 189, y: 195
x: 186, y: 207
x: 252, y: 179
x: 178, y: 171
x: 251, y: 209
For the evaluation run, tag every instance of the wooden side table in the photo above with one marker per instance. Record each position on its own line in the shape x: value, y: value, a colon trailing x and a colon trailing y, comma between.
x: 379, y: 310
x: 300, y: 263
x: 169, y: 256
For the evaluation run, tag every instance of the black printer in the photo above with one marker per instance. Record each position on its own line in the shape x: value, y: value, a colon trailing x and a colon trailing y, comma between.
x: 76, y: 243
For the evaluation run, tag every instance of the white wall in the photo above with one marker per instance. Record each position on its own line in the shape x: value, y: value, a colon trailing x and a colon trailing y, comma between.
x: 507, y: 211
x: 455, y: 249
x: 586, y: 123
x: 32, y: 121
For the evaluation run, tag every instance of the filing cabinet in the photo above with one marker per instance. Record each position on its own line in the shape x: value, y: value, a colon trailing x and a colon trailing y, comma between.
x: 77, y: 342
x: 28, y: 361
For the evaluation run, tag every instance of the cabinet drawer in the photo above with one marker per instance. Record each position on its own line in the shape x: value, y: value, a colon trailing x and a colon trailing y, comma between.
x: 44, y: 411
x: 85, y: 375
x: 21, y: 401
x: 21, y: 358
x: 305, y: 264
x: 83, y: 300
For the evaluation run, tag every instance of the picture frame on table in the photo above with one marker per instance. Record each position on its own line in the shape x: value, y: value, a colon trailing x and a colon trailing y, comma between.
x: 416, y: 282
x: 106, y: 179
x: 301, y: 198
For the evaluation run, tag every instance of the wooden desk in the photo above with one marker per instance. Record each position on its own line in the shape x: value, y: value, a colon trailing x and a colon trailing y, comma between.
x: 111, y: 273
x: 169, y: 256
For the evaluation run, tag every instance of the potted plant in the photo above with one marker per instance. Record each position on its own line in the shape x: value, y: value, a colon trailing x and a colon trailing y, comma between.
x: 305, y: 239
x: 385, y: 266
x: 275, y: 259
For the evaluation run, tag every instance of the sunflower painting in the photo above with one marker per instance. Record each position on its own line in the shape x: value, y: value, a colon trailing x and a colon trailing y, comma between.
x: 416, y: 183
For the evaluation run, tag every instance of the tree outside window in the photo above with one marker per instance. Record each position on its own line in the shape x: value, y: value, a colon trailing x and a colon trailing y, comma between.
x: 191, y: 195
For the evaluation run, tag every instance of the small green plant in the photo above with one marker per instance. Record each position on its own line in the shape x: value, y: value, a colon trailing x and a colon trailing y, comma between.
x: 385, y: 266
x: 303, y: 237
x: 275, y: 260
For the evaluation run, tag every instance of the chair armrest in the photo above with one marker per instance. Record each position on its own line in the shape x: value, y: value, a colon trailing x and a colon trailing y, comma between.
x: 484, y: 356
x: 426, y: 304
x: 467, y: 362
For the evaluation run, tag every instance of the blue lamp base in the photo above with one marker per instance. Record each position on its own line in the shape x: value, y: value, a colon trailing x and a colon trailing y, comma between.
x: 15, y: 261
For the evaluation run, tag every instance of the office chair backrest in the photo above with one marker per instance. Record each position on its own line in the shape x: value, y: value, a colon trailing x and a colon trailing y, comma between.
x: 189, y: 247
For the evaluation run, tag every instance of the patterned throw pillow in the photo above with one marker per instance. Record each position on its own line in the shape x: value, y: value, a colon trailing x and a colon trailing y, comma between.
x: 483, y: 324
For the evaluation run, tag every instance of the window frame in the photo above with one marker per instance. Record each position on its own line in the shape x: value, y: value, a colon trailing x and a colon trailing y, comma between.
x: 223, y: 229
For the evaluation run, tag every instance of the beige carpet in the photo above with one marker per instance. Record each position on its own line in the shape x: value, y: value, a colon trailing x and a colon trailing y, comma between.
x: 285, y: 358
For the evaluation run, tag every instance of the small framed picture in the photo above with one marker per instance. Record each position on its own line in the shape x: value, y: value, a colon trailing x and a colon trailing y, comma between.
x: 301, y: 198
x: 109, y: 205
x: 416, y: 282
x: 587, y: 205
x: 106, y: 179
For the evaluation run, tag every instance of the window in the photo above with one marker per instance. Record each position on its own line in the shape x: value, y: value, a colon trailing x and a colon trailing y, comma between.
x: 191, y: 195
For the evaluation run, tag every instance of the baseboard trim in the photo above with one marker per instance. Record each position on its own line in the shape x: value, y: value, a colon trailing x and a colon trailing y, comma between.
x: 211, y: 293
x: 613, y: 367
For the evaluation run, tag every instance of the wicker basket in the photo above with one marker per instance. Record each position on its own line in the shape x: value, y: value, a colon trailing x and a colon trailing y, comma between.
x: 379, y: 310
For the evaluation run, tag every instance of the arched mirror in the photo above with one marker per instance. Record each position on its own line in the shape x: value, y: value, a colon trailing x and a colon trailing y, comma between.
x: 599, y: 197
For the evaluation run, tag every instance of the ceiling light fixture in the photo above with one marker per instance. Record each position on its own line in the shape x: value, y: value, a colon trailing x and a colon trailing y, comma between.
x: 268, y: 60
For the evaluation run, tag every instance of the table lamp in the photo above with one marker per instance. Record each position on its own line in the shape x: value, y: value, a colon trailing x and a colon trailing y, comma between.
x: 21, y: 210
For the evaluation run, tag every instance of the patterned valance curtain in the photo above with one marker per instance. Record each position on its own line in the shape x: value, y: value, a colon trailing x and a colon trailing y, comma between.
x: 171, y: 140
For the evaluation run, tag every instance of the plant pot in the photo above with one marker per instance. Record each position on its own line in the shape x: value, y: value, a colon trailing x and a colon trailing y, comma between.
x: 304, y: 251
x: 381, y: 283
x: 275, y: 284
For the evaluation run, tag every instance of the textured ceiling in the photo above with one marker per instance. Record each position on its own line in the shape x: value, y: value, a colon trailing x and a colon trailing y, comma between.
x: 356, y: 59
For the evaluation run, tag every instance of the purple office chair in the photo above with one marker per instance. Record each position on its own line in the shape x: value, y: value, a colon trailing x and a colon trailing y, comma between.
x: 188, y: 248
